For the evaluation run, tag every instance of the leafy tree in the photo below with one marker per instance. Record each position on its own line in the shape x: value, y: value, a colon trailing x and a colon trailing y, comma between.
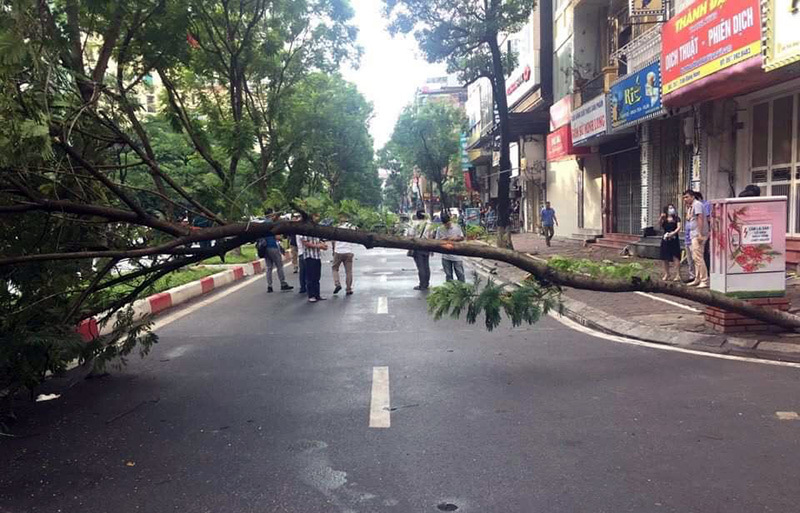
x: 81, y: 170
x: 396, y: 190
x: 85, y: 169
x: 466, y: 35
x: 428, y: 136
x: 336, y: 147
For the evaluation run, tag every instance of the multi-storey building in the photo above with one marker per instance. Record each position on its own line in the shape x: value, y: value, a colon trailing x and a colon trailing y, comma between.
x: 528, y: 94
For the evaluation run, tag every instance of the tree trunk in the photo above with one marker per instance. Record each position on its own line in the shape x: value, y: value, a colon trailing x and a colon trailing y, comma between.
x: 232, y: 235
x: 442, y: 195
x: 504, y: 178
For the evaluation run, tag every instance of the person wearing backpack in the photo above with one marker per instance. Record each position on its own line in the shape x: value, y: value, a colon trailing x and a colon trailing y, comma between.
x: 269, y: 249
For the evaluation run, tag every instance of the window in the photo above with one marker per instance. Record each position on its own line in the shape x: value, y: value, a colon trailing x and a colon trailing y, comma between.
x: 775, y: 153
x: 151, y: 103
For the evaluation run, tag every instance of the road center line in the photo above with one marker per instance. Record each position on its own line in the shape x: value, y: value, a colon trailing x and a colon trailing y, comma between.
x: 379, y: 413
x: 383, y: 305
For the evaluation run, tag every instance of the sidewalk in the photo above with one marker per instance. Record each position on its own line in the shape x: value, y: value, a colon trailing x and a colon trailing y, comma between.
x: 649, y: 317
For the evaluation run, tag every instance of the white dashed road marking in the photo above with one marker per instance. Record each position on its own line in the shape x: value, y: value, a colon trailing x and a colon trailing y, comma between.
x: 787, y: 415
x: 383, y: 305
x: 383, y: 278
x: 667, y: 301
x: 379, y: 413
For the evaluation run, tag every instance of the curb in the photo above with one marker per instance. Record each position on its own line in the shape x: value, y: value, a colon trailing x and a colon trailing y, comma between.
x: 609, y: 324
x: 90, y: 328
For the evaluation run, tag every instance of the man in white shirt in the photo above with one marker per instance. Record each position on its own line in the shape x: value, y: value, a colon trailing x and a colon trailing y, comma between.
x: 451, y: 232
x: 699, y: 226
x: 313, y: 248
x: 301, y: 264
x: 343, y: 254
x: 421, y: 229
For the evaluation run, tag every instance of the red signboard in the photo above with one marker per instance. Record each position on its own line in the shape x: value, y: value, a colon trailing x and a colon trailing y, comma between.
x: 467, y: 180
x: 707, y: 37
x: 559, y: 144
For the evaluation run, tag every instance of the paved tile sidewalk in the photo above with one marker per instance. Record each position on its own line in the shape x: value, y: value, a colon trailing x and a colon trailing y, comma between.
x: 664, y: 314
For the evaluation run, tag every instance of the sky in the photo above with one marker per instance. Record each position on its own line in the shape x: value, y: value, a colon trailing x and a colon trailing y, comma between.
x: 391, y: 68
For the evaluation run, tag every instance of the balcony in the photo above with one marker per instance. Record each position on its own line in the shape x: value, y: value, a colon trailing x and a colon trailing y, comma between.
x: 591, y: 88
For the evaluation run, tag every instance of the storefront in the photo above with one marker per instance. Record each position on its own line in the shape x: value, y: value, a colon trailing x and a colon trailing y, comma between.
x: 568, y: 184
x: 633, y: 100
x: 744, y: 98
x: 589, y: 126
x: 768, y: 150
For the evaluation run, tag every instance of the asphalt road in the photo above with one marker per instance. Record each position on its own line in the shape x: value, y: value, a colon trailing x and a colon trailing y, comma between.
x: 261, y: 403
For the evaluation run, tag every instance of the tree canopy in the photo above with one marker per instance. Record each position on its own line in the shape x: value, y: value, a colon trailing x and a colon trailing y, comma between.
x: 427, y: 136
x: 466, y: 34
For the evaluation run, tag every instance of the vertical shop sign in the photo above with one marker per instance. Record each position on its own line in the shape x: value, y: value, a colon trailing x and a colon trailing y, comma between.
x: 782, y: 31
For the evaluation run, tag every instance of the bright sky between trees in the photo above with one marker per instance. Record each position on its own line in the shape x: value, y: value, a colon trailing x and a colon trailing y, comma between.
x: 391, y: 68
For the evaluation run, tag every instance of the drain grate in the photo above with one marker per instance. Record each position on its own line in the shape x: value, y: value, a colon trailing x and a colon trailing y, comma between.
x: 446, y: 506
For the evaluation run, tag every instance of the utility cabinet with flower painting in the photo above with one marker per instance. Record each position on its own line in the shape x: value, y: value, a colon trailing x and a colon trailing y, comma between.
x: 748, y: 247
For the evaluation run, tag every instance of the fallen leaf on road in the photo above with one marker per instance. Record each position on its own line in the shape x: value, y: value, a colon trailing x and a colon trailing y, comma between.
x: 47, y: 397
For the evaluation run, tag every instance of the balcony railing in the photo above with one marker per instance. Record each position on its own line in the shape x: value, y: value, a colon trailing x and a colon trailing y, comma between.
x: 592, y: 88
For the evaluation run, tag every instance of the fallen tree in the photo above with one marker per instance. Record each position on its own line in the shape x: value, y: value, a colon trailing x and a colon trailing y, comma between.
x: 236, y: 234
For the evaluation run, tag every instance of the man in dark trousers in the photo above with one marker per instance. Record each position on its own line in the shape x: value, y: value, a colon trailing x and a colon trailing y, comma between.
x: 312, y: 251
x: 420, y: 229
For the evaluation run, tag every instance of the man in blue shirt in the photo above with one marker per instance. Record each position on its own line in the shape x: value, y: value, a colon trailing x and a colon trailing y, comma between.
x: 549, y: 221
x: 270, y: 248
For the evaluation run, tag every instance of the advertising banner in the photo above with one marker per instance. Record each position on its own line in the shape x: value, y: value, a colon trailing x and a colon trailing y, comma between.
x: 589, y: 120
x: 636, y: 97
x: 783, y: 33
x: 473, y: 216
x: 709, y: 36
x: 560, y: 112
x: 559, y: 145
x: 465, y: 162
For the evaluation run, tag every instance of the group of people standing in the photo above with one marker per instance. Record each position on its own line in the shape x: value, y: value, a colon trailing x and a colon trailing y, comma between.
x: 696, y: 232
x: 307, y: 253
x: 422, y: 228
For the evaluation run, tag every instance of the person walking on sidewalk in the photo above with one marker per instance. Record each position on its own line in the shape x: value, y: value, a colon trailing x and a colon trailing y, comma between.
x: 670, y: 244
x: 269, y: 248
x: 312, y: 251
x: 699, y: 227
x: 549, y: 221
x: 451, y: 232
x: 419, y: 229
x: 343, y: 254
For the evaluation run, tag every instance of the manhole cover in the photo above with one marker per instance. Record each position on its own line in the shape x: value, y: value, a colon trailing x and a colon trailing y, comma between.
x: 446, y: 506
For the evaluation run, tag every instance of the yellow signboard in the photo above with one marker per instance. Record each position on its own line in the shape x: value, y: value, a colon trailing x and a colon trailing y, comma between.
x: 646, y: 7
x: 782, y: 33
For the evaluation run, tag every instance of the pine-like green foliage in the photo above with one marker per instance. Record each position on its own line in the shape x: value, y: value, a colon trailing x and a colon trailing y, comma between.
x: 601, y: 268
x: 524, y: 304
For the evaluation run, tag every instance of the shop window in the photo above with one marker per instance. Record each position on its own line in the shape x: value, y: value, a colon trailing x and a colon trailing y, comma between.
x: 760, y: 134
x: 782, y: 130
x: 759, y: 176
x: 775, y: 151
x: 782, y: 174
x: 784, y: 190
